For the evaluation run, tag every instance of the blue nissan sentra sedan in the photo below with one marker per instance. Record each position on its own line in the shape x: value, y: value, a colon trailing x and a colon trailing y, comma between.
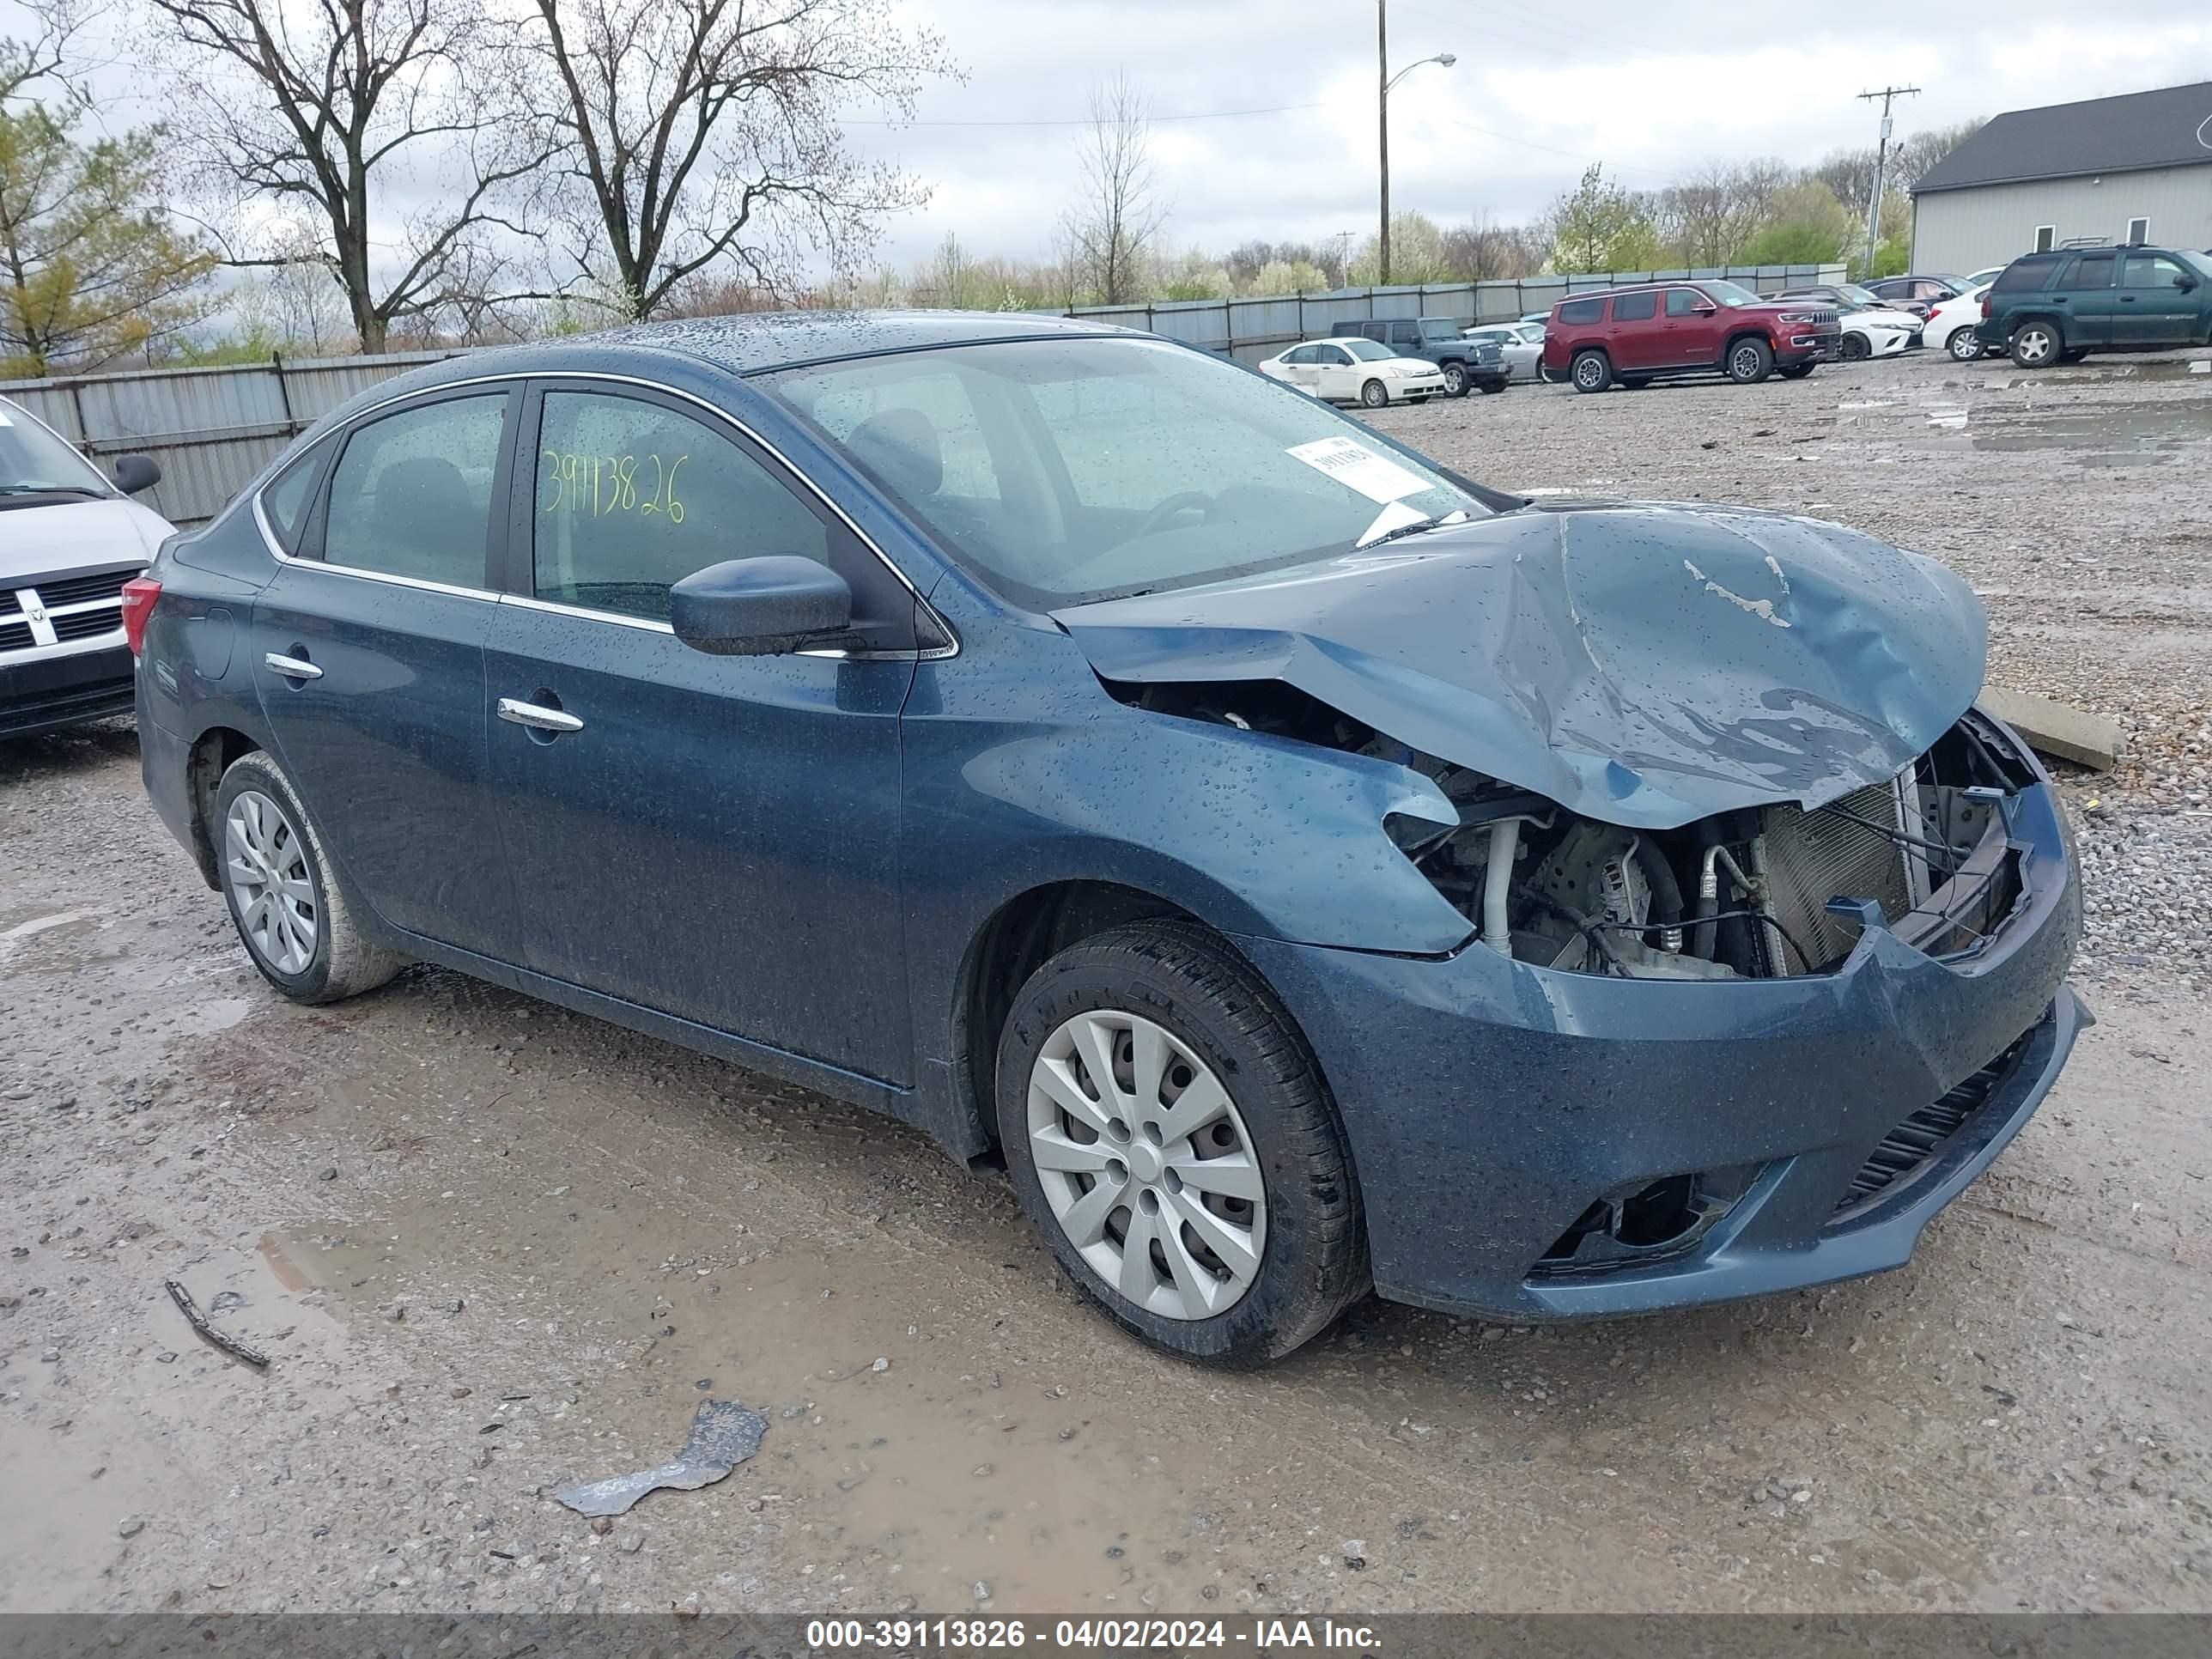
x: 1306, y: 869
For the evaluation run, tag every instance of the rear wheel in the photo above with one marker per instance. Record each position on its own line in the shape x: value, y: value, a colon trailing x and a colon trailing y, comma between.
x: 1455, y: 379
x: 1591, y: 371
x: 1750, y: 360
x: 1169, y: 1134
x: 298, y: 923
x: 2036, y: 344
x: 1374, y: 394
x: 1963, y: 345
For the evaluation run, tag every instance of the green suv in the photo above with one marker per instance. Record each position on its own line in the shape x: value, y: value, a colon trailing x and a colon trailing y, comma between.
x: 2059, y: 306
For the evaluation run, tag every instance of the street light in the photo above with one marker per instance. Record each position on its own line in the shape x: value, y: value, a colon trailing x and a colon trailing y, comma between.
x: 1383, y: 103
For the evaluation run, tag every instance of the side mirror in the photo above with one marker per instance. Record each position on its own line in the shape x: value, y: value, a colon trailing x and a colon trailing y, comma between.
x: 1706, y: 309
x: 136, y: 474
x: 2187, y: 284
x: 763, y: 607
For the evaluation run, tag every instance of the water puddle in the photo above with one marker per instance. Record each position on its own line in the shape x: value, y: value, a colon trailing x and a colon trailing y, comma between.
x: 2093, y: 437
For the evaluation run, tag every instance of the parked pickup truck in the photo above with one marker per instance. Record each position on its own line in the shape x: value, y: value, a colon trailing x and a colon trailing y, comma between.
x: 1466, y: 363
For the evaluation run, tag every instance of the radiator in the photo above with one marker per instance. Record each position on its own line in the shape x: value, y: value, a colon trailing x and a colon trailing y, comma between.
x: 1810, y: 858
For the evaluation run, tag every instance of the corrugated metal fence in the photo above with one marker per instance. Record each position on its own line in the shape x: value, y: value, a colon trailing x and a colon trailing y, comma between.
x: 1252, y: 329
x: 212, y: 429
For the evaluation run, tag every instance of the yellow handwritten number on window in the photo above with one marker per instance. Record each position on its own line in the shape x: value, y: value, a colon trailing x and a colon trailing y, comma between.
x: 602, y: 484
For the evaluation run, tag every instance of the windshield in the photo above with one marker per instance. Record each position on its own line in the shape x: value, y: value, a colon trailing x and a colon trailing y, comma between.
x: 1863, y: 295
x: 34, y: 460
x: 1071, y: 470
x: 1728, y: 294
x: 2196, y: 262
x: 1368, y: 351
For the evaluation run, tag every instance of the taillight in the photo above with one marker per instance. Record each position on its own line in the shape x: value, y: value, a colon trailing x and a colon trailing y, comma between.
x: 1985, y: 308
x: 138, y: 596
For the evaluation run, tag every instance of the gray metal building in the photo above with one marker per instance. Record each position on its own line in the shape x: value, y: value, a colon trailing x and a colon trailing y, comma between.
x: 2135, y: 169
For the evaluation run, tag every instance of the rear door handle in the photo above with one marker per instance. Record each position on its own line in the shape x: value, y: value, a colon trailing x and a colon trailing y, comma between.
x: 537, y: 717
x: 292, y: 668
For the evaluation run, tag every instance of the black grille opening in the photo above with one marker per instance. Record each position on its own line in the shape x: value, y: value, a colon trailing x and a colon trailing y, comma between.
x: 83, y: 624
x: 15, y: 635
x: 1645, y: 1222
x: 1914, y: 1143
x: 76, y: 590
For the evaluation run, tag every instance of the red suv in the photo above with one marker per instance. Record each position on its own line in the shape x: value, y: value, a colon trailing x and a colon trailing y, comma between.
x: 1638, y: 335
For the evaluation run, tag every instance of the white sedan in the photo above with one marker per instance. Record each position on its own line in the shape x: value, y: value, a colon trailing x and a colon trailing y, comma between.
x: 1356, y: 371
x: 1883, y: 333
x: 1951, y: 324
x: 1521, y: 344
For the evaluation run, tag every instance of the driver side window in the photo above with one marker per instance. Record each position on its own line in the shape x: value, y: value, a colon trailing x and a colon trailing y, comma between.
x: 631, y: 498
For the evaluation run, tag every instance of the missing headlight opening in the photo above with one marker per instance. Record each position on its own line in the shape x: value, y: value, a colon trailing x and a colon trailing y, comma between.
x: 1745, y: 894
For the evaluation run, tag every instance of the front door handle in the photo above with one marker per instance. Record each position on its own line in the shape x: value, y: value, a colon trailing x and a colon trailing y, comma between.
x: 292, y: 668
x: 537, y: 717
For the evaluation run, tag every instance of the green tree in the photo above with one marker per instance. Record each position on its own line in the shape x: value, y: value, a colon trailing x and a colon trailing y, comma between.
x: 91, y: 266
x: 1805, y: 225
x: 1601, y: 225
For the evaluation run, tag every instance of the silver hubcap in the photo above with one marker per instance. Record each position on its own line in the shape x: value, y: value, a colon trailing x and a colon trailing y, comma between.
x: 266, y: 863
x: 1588, y: 374
x: 2035, y: 345
x: 1747, y: 363
x: 1146, y: 1166
x: 1965, y: 345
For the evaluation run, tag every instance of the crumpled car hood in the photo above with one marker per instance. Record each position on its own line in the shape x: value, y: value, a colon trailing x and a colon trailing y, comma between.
x: 1643, y: 664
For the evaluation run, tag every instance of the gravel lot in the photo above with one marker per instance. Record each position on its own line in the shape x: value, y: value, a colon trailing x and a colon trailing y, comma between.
x: 492, y: 1247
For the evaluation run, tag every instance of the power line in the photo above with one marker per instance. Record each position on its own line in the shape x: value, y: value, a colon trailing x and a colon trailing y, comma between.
x: 1553, y: 149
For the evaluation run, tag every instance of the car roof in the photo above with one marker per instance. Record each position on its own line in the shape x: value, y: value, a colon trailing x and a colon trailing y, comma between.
x: 755, y: 341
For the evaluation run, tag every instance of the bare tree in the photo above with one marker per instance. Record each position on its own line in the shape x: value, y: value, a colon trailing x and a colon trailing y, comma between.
x: 47, y: 53
x: 336, y: 110
x: 1113, y: 229
x: 1709, y: 215
x: 694, y: 133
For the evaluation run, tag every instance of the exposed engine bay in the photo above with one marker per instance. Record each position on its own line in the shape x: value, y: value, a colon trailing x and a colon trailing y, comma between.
x: 1758, y: 892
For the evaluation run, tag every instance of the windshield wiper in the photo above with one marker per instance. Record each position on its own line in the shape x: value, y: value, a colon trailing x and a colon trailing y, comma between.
x: 50, y: 489
x: 1411, y: 527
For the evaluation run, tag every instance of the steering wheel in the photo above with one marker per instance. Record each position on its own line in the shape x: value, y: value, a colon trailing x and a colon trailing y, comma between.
x: 1183, y: 500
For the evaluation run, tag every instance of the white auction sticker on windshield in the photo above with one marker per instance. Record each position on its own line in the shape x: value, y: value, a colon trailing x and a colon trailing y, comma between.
x: 1358, y: 467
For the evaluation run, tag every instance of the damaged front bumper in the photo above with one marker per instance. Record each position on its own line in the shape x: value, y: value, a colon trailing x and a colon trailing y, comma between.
x: 1709, y: 1139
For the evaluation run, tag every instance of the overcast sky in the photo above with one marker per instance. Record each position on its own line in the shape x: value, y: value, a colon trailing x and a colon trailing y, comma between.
x: 1651, y: 88
x: 1648, y: 86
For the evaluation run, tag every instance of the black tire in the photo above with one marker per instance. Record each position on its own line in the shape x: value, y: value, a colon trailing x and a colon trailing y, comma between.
x: 1313, y: 1260
x: 1796, y: 371
x: 1750, y: 360
x: 1456, y: 380
x: 2037, y: 344
x: 1374, y: 394
x: 344, y: 961
x: 1590, y: 371
x: 1854, y: 348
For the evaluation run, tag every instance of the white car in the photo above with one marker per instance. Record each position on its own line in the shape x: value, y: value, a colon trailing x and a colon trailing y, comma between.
x: 1346, y: 371
x: 69, y: 538
x: 1520, y: 343
x: 1877, y: 333
x: 1950, y: 326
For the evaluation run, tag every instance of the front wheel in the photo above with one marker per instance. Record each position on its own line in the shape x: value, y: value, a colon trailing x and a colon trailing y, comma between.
x: 1591, y: 371
x: 1374, y: 394
x: 2037, y: 345
x: 297, y: 922
x: 1749, y: 362
x: 1854, y: 348
x: 1455, y: 379
x: 1169, y: 1132
x: 1963, y: 345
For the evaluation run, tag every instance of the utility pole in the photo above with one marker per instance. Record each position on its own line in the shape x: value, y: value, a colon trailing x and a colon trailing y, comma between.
x: 1880, y: 166
x: 1383, y: 114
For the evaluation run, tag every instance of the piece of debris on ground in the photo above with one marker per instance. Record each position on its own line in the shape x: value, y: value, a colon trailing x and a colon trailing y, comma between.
x: 724, y: 1434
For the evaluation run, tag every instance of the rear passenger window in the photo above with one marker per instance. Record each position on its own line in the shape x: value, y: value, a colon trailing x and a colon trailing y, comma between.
x: 1582, y: 311
x: 2094, y: 270
x: 632, y: 497
x: 1635, y: 307
x: 412, y: 493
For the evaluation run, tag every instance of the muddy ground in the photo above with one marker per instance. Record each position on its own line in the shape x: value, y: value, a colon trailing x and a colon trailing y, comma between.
x: 491, y: 1247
